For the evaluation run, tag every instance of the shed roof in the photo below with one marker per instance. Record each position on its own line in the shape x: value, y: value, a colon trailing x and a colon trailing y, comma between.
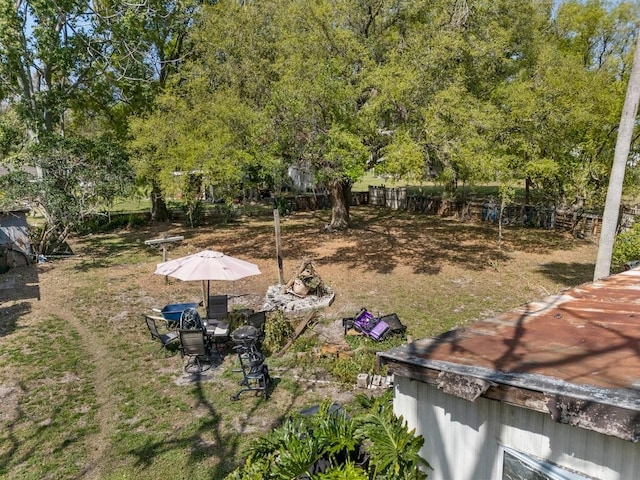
x: 582, y: 345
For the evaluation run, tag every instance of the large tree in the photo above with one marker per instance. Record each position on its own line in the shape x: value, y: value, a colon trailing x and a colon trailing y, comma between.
x: 197, y: 133
x: 210, y: 117
x: 320, y: 92
x: 491, y: 90
x: 48, y: 54
x: 148, y: 43
x: 78, y: 65
x: 561, y: 109
x: 51, y: 53
x: 80, y: 177
x: 303, y: 66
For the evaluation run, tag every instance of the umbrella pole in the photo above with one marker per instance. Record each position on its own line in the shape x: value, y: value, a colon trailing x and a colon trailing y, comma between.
x: 205, y: 294
x: 276, y: 221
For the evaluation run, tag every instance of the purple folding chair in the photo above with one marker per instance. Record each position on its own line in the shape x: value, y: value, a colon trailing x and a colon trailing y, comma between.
x: 370, y: 326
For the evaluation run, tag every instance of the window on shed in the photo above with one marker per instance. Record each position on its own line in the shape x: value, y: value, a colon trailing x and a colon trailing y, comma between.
x: 518, y: 466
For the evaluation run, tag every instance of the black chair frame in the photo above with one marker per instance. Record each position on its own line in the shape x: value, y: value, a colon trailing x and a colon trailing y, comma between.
x: 217, y: 307
x: 255, y: 373
x: 195, y: 346
x: 216, y: 332
x: 165, y: 339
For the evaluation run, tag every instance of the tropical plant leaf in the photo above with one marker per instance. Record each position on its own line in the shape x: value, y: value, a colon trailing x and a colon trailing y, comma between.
x: 394, y: 450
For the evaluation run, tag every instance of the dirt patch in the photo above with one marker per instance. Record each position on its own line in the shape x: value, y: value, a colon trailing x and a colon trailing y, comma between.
x: 10, y: 394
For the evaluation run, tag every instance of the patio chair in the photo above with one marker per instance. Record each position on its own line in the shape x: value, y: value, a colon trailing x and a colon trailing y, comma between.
x: 190, y: 320
x: 258, y: 320
x: 164, y: 338
x: 255, y: 373
x: 193, y: 344
x: 218, y: 307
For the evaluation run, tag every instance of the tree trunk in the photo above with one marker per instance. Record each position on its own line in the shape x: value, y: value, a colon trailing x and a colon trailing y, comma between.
x: 159, y: 212
x: 340, y: 192
x: 614, y: 192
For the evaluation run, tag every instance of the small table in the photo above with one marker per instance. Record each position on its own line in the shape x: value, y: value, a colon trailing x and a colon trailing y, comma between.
x: 217, y: 332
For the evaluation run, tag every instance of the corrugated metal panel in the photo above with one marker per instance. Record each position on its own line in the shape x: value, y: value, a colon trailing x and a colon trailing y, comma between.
x: 588, y: 335
x: 463, y: 439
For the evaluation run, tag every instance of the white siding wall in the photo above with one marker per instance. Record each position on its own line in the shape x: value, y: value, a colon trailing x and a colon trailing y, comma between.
x: 462, y: 438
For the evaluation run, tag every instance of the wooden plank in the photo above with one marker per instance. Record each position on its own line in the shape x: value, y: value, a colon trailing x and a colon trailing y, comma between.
x: 299, y: 329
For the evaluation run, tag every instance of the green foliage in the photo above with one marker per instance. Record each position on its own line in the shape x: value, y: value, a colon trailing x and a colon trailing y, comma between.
x: 404, y: 158
x: 277, y: 331
x: 12, y: 132
x: 291, y: 450
x: 394, y: 450
x: 346, y: 369
x: 79, y: 176
x: 305, y: 343
x: 505, y: 90
x: 347, y: 471
x: 194, y: 213
x: 204, y: 132
x: 103, y: 222
x: 343, y: 155
x: 229, y: 211
x: 282, y: 206
x: 626, y: 246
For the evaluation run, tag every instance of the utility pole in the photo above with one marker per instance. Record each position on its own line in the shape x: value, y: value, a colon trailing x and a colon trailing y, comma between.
x: 621, y: 153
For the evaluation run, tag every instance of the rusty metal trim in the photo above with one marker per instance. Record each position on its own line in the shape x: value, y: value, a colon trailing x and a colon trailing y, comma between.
x: 623, y: 398
x: 605, y: 419
x: 462, y: 386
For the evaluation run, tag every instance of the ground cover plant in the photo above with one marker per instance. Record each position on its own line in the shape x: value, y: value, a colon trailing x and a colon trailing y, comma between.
x: 86, y: 394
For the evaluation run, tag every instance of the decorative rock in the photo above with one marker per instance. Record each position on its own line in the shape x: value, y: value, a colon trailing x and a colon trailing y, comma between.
x: 300, y: 288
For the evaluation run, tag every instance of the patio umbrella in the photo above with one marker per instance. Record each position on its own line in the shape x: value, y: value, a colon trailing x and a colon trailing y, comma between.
x: 206, y: 266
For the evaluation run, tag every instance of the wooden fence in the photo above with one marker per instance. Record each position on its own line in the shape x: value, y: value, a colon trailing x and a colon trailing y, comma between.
x: 582, y: 224
x: 579, y: 223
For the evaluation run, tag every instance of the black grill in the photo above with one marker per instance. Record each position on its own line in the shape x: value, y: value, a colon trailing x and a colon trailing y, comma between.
x: 245, y: 335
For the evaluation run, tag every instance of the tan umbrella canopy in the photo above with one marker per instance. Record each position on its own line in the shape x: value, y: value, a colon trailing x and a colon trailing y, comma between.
x: 207, y: 265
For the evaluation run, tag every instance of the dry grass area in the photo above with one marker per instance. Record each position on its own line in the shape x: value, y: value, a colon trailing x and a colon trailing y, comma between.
x: 86, y: 394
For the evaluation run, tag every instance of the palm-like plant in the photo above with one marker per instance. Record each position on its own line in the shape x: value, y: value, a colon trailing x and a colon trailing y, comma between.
x: 393, y: 449
x: 336, y: 434
x: 347, y: 471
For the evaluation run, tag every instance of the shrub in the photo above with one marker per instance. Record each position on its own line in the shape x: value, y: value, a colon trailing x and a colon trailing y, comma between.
x: 103, y: 222
x: 332, y: 445
x: 277, y: 331
x: 193, y: 213
x: 346, y: 370
x: 626, y: 246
